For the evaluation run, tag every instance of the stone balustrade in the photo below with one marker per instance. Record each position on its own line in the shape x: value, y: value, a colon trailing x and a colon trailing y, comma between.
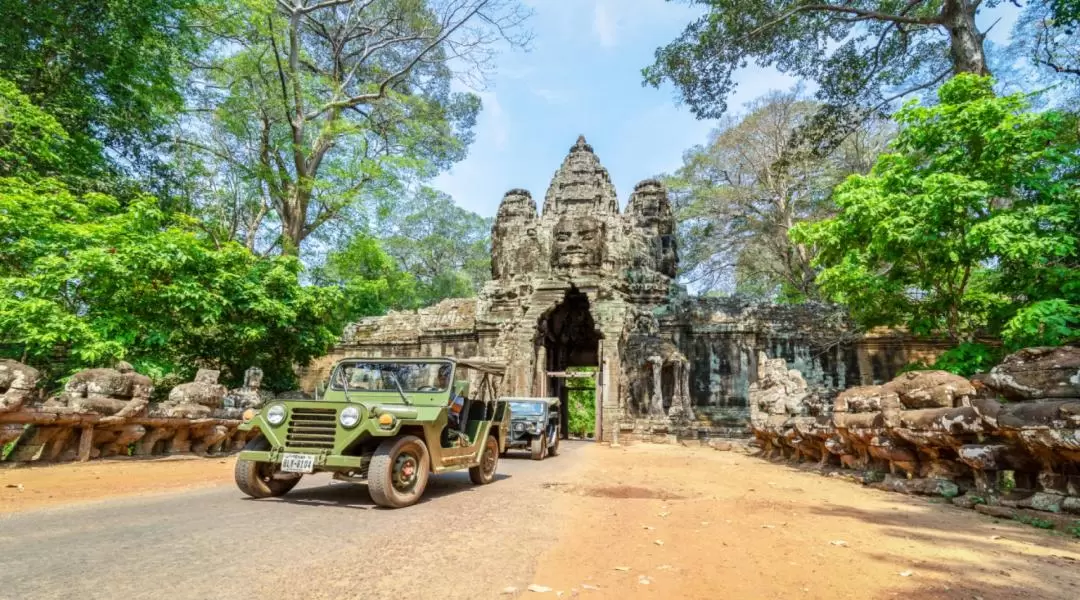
x: 1008, y: 438
x: 108, y: 412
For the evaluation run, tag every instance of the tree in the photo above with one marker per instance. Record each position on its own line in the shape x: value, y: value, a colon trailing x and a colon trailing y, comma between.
x: 445, y: 247
x: 737, y: 197
x: 368, y: 277
x: 32, y: 142
x: 107, y: 70
x: 1046, y: 37
x: 864, y: 54
x: 91, y: 281
x: 317, y: 105
x: 969, y: 225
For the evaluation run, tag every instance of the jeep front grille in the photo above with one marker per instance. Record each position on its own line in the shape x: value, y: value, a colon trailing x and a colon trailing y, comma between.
x: 312, y: 428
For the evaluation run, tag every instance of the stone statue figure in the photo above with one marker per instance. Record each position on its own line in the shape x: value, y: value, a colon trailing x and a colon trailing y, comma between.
x: 578, y: 242
x: 113, y: 393
x: 17, y: 383
x: 198, y: 399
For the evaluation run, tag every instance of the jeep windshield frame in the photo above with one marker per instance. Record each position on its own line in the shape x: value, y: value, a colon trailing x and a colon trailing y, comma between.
x: 434, y: 376
x: 528, y: 408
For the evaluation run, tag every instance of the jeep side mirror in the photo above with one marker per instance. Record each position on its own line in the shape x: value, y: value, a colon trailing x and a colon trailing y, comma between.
x: 320, y: 390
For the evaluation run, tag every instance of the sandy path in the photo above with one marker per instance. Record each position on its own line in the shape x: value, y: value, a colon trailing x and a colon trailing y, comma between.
x: 733, y: 526
x: 72, y: 483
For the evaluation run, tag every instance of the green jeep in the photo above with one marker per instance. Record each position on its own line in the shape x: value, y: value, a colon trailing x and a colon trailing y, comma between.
x: 387, y: 422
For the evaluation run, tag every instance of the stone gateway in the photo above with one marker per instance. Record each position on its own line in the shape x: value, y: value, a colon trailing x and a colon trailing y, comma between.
x: 581, y: 284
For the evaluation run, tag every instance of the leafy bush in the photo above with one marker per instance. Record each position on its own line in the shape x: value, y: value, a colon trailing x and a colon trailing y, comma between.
x: 582, y: 405
x: 968, y: 225
x: 93, y: 281
x: 968, y: 359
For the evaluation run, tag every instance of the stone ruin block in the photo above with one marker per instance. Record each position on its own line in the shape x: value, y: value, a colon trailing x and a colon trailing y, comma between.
x: 1036, y: 373
x: 937, y: 433
x: 18, y: 384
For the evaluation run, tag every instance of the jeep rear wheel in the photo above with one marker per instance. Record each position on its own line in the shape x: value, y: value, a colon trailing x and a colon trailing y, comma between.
x: 256, y: 479
x: 539, y: 447
x: 398, y: 472
x: 553, y: 442
x: 484, y: 472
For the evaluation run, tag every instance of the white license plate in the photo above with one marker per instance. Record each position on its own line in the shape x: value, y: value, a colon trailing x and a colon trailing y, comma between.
x: 298, y: 463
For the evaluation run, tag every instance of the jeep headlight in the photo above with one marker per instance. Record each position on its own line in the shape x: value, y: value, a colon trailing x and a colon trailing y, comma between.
x: 349, y: 416
x: 276, y: 414
x: 519, y: 426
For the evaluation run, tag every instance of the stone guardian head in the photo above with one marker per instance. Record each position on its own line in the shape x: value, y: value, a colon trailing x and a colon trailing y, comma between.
x: 578, y: 242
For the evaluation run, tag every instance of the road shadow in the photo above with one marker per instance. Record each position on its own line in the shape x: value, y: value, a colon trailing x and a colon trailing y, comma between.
x: 355, y: 496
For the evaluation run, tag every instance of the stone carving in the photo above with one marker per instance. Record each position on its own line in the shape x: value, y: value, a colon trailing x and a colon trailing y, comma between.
x: 17, y: 384
x: 1038, y: 373
x: 579, y: 242
x: 931, y: 432
x: 250, y: 395
x: 197, y: 399
x: 115, y: 394
x: 515, y: 245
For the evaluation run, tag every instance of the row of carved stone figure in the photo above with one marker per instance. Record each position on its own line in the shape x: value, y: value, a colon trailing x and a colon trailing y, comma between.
x: 1011, y: 436
x: 106, y: 412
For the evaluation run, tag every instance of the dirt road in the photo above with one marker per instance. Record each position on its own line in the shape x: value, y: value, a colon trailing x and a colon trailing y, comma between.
x: 595, y: 522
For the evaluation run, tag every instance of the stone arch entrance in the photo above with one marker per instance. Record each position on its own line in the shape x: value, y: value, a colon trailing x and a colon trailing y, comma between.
x: 567, y: 338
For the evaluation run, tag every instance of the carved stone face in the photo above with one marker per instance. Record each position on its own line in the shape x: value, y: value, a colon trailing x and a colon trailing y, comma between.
x: 579, y: 242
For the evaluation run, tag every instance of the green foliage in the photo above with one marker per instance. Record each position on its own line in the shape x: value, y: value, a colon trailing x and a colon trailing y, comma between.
x: 106, y: 70
x: 968, y: 359
x: 582, y: 404
x: 1035, y: 522
x: 1074, y: 529
x: 445, y: 247
x: 968, y: 225
x: 87, y: 279
x: 368, y: 278
x: 1045, y: 323
x: 32, y: 142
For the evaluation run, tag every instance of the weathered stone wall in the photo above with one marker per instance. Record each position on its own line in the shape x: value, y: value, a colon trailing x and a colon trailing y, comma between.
x: 1010, y: 438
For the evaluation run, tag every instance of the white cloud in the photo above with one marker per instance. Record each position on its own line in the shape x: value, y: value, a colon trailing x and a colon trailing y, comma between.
x: 551, y: 96
x: 605, y: 25
x: 493, y: 124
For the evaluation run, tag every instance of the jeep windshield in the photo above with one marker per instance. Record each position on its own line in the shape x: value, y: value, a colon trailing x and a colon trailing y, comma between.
x: 526, y: 408
x: 371, y: 376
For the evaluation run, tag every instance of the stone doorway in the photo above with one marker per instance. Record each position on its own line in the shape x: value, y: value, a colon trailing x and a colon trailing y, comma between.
x: 568, y: 339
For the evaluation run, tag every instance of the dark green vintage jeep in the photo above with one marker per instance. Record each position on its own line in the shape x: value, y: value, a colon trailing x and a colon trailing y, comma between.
x: 534, y: 425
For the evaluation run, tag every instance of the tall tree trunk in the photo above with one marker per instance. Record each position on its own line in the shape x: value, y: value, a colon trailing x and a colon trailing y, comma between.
x: 966, y: 43
x: 293, y: 221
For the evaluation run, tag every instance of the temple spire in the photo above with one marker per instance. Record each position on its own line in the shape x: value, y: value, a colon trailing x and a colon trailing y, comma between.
x: 581, y: 185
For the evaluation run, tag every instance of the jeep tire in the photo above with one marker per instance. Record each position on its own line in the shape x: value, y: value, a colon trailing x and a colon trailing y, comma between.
x: 539, y: 446
x: 256, y: 479
x: 398, y: 472
x: 484, y: 473
x: 553, y: 447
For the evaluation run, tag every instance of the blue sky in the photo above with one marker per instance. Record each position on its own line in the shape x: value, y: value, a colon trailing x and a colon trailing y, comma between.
x: 583, y: 76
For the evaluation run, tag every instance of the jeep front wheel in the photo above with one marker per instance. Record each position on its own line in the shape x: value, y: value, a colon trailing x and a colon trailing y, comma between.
x: 256, y: 479
x: 484, y: 472
x: 398, y: 472
x: 539, y: 447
